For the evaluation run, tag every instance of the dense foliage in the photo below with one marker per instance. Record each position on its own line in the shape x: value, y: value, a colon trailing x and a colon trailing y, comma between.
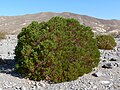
x: 105, y: 42
x: 58, y: 50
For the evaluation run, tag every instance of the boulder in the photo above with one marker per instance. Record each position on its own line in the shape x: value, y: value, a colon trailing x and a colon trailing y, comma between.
x: 97, y: 74
x: 113, y: 59
x: 108, y: 65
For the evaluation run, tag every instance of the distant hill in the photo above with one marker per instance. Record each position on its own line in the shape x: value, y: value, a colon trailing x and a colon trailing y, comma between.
x: 13, y: 24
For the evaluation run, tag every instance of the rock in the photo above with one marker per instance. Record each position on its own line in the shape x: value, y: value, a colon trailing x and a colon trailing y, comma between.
x: 113, y: 59
x: 17, y: 88
x: 110, y: 85
x: 23, y: 88
x: 94, y: 87
x: 33, y: 83
x: 32, y: 88
x: 7, y: 47
x: 116, y: 64
x: 94, y: 69
x: 97, y: 74
x: 61, y: 89
x: 105, y: 82
x: 118, y: 48
x: 104, y: 60
x: 118, y: 54
x: 40, y: 85
x: 108, y: 66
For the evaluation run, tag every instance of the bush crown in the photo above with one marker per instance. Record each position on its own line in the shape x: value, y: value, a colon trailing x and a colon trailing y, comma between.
x: 57, y: 50
x: 105, y: 42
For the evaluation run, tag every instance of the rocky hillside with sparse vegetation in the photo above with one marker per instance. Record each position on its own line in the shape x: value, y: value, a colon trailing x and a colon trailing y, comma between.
x: 13, y: 24
x: 13, y: 48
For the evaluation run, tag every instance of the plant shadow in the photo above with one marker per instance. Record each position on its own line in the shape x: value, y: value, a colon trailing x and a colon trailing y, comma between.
x: 7, y: 66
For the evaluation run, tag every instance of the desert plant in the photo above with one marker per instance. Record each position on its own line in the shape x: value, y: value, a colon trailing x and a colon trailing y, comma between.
x: 2, y: 35
x: 113, y: 34
x: 105, y: 42
x: 57, y: 50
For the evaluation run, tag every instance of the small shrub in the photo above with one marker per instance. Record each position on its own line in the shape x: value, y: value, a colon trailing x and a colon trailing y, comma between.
x: 2, y: 35
x: 105, y: 42
x: 58, y: 50
x: 113, y: 34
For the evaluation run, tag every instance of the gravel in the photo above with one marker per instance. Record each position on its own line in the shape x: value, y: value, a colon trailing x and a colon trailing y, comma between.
x: 101, y: 78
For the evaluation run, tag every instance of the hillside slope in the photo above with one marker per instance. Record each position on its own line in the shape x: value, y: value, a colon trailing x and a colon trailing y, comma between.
x: 13, y: 24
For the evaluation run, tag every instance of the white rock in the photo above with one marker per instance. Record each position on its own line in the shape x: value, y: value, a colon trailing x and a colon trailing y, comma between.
x: 32, y: 88
x: 94, y: 87
x: 97, y: 74
x: 105, y: 82
x: 61, y: 89
x: 23, y: 88
x: 40, y: 85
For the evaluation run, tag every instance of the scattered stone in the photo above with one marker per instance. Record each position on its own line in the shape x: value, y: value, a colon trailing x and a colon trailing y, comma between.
x: 116, y: 64
x: 94, y: 87
x: 118, y: 49
x: 97, y: 74
x: 23, y: 88
x: 17, y: 88
x: 40, y: 85
x: 33, y: 83
x: 94, y: 69
x: 108, y: 66
x: 112, y: 59
x: 32, y: 87
x: 105, y: 82
x: 110, y: 79
x: 104, y: 60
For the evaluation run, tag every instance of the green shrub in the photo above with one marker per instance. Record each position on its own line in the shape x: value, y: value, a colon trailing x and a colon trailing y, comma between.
x: 105, y: 42
x: 58, y: 50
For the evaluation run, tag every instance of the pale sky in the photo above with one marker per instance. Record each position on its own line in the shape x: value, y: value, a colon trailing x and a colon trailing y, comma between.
x: 106, y: 9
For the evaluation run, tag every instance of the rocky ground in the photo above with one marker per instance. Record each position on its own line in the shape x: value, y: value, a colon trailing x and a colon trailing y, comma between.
x: 104, y: 77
